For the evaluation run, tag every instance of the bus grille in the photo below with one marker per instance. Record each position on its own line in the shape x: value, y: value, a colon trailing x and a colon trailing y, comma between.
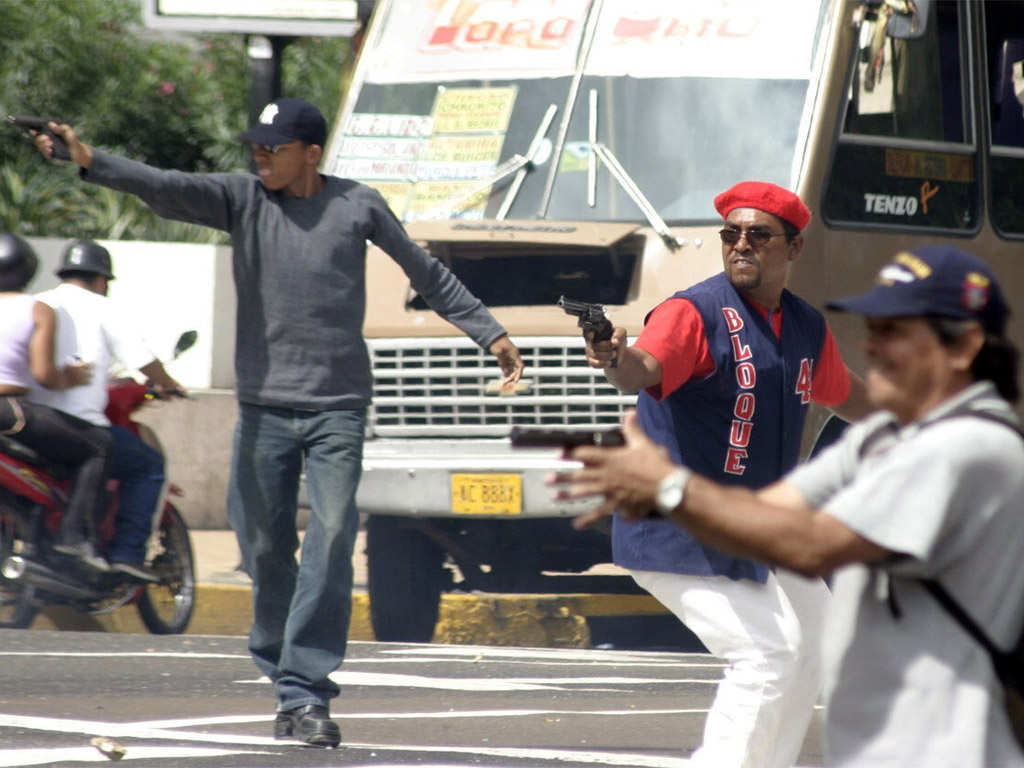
x: 438, y: 388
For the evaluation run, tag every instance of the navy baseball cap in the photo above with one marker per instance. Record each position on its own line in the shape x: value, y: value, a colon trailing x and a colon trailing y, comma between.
x: 934, y: 280
x: 287, y: 120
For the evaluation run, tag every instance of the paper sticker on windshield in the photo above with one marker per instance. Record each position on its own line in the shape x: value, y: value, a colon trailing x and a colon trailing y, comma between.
x: 473, y: 110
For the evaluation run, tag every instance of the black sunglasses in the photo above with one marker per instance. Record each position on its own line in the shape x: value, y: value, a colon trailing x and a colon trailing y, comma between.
x: 756, y: 237
x: 271, y: 148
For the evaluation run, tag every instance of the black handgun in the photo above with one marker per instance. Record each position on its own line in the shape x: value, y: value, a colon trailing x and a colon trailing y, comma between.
x: 565, y: 438
x: 591, y: 318
x: 39, y: 124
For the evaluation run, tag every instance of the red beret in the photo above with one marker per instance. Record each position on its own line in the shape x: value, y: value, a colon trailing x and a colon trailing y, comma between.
x: 770, y: 198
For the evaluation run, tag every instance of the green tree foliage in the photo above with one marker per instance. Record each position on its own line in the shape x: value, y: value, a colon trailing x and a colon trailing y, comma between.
x: 171, y: 102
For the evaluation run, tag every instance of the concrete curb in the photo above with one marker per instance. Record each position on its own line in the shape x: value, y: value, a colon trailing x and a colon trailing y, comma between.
x: 543, y: 621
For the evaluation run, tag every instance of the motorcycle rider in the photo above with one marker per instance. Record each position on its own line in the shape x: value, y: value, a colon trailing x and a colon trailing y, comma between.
x: 91, y: 328
x: 27, y: 332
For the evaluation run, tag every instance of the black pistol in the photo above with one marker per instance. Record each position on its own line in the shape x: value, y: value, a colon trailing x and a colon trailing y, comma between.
x: 591, y: 319
x: 565, y: 438
x: 40, y: 125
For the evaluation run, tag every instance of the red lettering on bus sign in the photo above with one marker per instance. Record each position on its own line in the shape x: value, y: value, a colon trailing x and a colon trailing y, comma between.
x: 495, y: 24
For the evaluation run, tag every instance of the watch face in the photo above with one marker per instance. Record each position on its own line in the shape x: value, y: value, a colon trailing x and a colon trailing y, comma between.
x: 670, y: 492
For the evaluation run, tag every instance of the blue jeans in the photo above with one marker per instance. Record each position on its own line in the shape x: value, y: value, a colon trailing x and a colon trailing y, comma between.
x: 140, y: 469
x: 300, y: 612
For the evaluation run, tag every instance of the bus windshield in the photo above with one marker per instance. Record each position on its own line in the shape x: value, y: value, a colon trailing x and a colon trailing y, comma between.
x: 577, y: 109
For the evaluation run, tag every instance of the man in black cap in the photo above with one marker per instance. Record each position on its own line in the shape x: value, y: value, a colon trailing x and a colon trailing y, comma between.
x: 929, y: 488
x: 303, y: 377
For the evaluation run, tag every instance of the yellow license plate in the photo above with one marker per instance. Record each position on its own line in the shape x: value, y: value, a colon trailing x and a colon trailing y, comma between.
x: 487, y: 494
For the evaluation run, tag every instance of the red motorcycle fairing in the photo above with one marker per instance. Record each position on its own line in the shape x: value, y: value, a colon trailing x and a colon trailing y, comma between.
x: 32, y: 575
x: 30, y: 482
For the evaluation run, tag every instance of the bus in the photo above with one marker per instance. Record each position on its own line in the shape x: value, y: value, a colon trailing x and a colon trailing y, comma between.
x: 549, y: 148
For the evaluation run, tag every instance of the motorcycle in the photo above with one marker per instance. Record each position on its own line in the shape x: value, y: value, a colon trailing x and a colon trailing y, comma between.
x: 33, y: 494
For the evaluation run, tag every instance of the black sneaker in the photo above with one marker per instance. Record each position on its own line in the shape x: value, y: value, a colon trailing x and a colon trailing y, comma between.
x: 311, y: 724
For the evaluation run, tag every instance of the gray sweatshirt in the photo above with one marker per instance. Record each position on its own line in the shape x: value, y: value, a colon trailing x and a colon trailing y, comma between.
x: 299, y: 269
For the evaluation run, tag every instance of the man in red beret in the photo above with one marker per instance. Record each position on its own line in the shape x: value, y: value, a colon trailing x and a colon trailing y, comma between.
x: 725, y: 372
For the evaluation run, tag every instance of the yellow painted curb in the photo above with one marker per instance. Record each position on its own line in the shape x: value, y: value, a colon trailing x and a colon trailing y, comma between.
x: 544, y: 621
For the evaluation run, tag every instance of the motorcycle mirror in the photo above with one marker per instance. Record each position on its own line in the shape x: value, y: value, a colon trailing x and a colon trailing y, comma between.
x: 185, y: 341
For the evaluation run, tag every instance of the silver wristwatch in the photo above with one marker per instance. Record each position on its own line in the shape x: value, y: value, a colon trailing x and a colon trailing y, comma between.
x: 671, y: 491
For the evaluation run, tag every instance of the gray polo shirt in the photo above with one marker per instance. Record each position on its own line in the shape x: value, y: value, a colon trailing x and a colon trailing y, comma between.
x: 948, y: 494
x: 299, y: 266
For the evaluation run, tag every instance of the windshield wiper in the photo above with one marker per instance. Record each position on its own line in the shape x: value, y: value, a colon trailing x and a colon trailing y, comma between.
x: 531, y: 153
x: 626, y: 182
x: 599, y: 150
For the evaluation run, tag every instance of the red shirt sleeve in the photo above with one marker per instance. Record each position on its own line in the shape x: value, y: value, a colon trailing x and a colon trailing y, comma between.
x: 831, y: 384
x: 674, y: 335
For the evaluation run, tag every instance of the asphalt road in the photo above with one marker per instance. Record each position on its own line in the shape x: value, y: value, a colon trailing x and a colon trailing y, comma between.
x: 198, y: 702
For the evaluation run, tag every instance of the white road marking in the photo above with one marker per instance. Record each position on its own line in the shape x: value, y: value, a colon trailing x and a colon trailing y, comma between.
x: 183, y: 730
x: 17, y: 758
x: 557, y: 654
x: 350, y: 677
x: 552, y: 663
x: 138, y: 654
x: 126, y: 730
x: 386, y: 680
x: 197, y: 722
x: 620, y: 759
x: 426, y: 656
x: 12, y: 758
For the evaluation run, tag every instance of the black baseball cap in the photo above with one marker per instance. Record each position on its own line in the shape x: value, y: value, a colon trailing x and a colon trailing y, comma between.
x: 935, y: 280
x: 287, y: 120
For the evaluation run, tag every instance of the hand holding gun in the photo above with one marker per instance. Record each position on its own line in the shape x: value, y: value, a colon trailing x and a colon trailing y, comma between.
x: 566, y: 438
x: 596, y: 327
x: 41, y: 125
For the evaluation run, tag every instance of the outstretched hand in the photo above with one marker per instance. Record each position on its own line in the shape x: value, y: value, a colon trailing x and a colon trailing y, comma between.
x: 81, y: 153
x: 511, y: 362
x: 626, y: 478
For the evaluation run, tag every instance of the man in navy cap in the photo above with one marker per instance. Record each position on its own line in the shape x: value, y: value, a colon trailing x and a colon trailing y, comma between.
x: 303, y: 377
x: 726, y: 371
x: 929, y: 488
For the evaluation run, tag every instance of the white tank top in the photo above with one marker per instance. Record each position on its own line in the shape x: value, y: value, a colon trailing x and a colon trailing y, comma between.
x: 16, y: 326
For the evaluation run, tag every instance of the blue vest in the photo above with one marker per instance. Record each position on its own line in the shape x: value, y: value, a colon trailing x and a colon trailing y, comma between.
x: 741, y: 425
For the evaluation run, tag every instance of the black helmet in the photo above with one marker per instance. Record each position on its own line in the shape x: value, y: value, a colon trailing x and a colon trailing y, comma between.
x: 18, y: 262
x: 86, y: 256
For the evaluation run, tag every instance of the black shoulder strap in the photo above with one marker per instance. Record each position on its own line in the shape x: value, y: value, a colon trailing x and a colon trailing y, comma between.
x: 940, y: 593
x: 958, y: 613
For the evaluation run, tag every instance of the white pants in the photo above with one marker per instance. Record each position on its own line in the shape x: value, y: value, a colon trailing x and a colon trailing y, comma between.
x: 769, y: 635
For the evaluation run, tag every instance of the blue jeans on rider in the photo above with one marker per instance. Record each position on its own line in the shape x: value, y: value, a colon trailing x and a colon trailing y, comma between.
x: 301, y: 611
x: 140, y: 470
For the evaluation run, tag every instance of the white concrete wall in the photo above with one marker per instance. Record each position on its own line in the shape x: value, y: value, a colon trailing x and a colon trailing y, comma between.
x: 170, y: 288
